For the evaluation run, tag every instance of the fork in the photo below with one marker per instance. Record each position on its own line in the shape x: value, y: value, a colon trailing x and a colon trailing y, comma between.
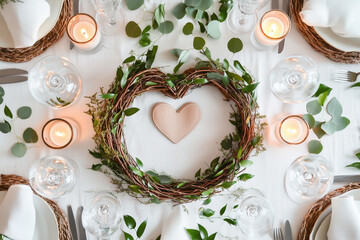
x: 278, y: 235
x: 346, y: 76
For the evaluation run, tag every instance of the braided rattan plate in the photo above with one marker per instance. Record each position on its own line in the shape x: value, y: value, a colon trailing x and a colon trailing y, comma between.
x: 64, y: 231
x: 316, y: 42
x: 315, y: 211
x: 26, y: 54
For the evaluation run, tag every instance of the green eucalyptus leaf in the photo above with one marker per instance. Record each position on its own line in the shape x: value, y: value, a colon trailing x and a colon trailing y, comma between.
x: 355, y: 85
x: 1, y: 100
x: 225, y: 80
x: 313, y: 107
x: 192, y: 3
x: 213, y: 29
x: 207, y: 53
x: 129, y: 221
x: 184, y: 56
x: 207, y: 212
x: 204, y: 4
x: 315, y: 146
x: 164, y: 179
x: 226, y: 64
x: 340, y: 122
x: 194, y: 234
x: 334, y: 107
x: 129, y: 59
x: 141, y: 229
x: 231, y: 221
x: 128, y: 236
x: 318, y: 130
x: 132, y: 29
x: 176, y: 52
x: 322, y: 88
x: 235, y: 45
x: 145, y: 40
x: 207, y: 192
x: 245, y: 163
x: 207, y: 201
x: 249, y: 88
x: 222, y: 210
x: 354, y: 165
x: 245, y: 176
x: 215, y: 75
x: 8, y: 112
x: 199, y: 15
x: 159, y: 15
x: 134, y: 4
x: 190, y: 11
x: 203, y: 232
x: 198, y: 43
x: 323, y: 96
x: 30, y: 136
x: 166, y: 27
x: 329, y: 127
x: 309, y: 119
x: 188, y: 28
x: 179, y: 11
x: 2, y: 91
x: 130, y: 111
x: 202, y: 27
x: 124, y: 78
x: 18, y: 149
x: 24, y: 112
x: 5, y: 127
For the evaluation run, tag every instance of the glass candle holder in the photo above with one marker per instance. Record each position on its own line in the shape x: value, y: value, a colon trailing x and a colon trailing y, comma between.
x: 83, y: 31
x: 59, y: 133
x: 293, y: 130
x: 271, y: 29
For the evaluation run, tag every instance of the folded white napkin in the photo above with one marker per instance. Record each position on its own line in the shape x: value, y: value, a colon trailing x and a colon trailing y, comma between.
x: 341, y: 16
x: 17, y: 213
x: 24, y: 19
x: 175, y: 224
x: 345, y: 219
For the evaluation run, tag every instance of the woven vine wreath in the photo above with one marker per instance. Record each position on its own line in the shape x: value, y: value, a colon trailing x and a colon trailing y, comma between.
x: 109, y: 110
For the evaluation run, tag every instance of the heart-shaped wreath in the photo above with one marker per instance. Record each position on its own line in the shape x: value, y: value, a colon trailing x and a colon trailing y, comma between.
x: 108, y: 113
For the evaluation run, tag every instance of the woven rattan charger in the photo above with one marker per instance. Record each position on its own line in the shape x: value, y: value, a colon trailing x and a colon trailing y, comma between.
x: 316, y: 42
x: 64, y: 231
x: 26, y: 54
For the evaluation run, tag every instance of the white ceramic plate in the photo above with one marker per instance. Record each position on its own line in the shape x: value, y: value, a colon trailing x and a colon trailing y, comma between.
x: 322, y: 224
x: 55, y: 10
x: 46, y: 226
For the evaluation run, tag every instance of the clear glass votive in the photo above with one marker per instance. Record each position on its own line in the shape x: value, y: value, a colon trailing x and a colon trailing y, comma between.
x: 293, y: 130
x: 59, y: 133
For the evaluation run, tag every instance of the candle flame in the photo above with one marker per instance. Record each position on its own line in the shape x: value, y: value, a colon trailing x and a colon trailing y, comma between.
x: 291, y: 131
x: 273, y: 29
x: 60, y: 134
x: 83, y: 31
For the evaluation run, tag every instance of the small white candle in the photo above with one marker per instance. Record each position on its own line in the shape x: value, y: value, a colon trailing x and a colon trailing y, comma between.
x: 60, y: 133
x: 294, y: 130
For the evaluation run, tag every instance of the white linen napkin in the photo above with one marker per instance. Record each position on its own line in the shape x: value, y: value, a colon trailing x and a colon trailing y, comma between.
x: 24, y: 19
x: 345, y: 219
x: 17, y: 213
x: 175, y: 224
x: 341, y: 16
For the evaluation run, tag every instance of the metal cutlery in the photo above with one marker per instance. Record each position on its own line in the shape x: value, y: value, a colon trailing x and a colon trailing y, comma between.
x: 72, y: 223
x: 81, y: 230
x: 288, y: 234
x: 12, y: 75
x: 346, y: 76
x: 347, y: 178
x: 287, y: 11
x: 278, y: 235
x: 76, y: 11
x: 12, y: 71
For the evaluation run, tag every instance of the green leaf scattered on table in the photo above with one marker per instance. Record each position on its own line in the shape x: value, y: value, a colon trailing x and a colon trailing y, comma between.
x: 30, y: 136
x: 179, y: 11
x: 19, y: 149
x: 166, y: 27
x: 355, y: 164
x: 313, y: 107
x: 129, y: 221
x: 315, y: 146
x: 214, y: 29
x: 198, y: 43
x: 132, y: 29
x: 200, y: 234
x: 141, y: 229
x: 134, y: 4
x: 24, y: 112
x: 130, y: 111
x: 188, y: 28
x: 235, y: 45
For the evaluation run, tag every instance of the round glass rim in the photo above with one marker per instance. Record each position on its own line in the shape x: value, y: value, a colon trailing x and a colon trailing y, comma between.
x: 285, y: 34
x: 57, y: 119
x: 81, y: 14
x: 301, y: 119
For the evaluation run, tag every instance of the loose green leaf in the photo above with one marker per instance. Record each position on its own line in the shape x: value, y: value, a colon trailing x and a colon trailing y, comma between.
x: 179, y: 11
x: 231, y: 221
x: 203, y: 232
x: 354, y: 165
x: 249, y: 88
x: 207, y: 201
x: 141, y: 229
x: 145, y: 40
x: 213, y: 29
x: 192, y: 3
x: 2, y: 91
x: 5, y: 127
x: 96, y: 167
x: 24, y: 112
x: 18, y: 149
x: 166, y: 27
x: 207, y: 192
x: 8, y: 112
x: 334, y: 107
x: 129, y: 221
x: 128, y: 236
x: 132, y: 29
x: 245, y: 176
x: 322, y: 88
x: 159, y: 15
x: 1, y: 100
x: 30, y: 136
x: 329, y: 127
x: 340, y: 122
x: 130, y: 111
x: 309, y: 119
x: 207, y: 212
x: 235, y: 45
x: 315, y: 146
x: 358, y: 155
x: 313, y: 107
x: 204, y: 4
x: 188, y: 28
x: 323, y: 96
x: 212, y: 236
x: 159, y: 237
x: 226, y: 185
x: 318, y: 130
x: 200, y: 81
x: 198, y: 43
x: 222, y: 210
x: 129, y: 59
x: 134, y: 4
x: 355, y: 85
x: 194, y: 234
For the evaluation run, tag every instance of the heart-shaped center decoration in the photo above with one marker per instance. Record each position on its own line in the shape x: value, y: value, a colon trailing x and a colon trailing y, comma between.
x: 175, y: 125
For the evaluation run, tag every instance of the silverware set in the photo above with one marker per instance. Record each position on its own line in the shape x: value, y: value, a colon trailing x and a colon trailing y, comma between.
x: 346, y: 76
x: 278, y: 234
x: 77, y: 229
x: 13, y: 75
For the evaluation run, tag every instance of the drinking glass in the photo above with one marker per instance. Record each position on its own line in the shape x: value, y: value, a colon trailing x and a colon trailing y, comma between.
x: 53, y: 176
x: 55, y: 82
x: 295, y: 79
x: 109, y: 16
x: 308, y: 178
x: 102, y: 215
x: 242, y: 18
x: 254, y: 215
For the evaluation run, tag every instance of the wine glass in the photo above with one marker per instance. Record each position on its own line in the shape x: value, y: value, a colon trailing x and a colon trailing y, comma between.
x: 109, y: 16
x: 254, y: 215
x: 55, y: 82
x: 242, y: 18
x: 53, y: 176
x: 308, y: 178
x: 295, y: 79
x: 102, y: 215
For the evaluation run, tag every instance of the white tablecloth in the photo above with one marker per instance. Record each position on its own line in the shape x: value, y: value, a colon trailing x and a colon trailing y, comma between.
x: 183, y: 159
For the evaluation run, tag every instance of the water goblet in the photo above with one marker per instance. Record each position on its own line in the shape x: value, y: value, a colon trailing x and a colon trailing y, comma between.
x: 295, y: 79
x: 102, y: 215
x: 53, y: 176
x: 308, y: 178
x: 242, y: 18
x: 109, y: 16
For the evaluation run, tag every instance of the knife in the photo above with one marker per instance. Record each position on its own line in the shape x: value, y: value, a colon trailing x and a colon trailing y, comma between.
x: 82, y: 232
x: 11, y: 71
x: 72, y: 223
x: 13, y: 79
x: 274, y: 4
x: 76, y: 11
x: 288, y: 235
x: 286, y: 10
x: 347, y: 178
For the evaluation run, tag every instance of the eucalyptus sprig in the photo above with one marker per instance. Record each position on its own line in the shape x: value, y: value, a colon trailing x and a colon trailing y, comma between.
x: 7, y: 126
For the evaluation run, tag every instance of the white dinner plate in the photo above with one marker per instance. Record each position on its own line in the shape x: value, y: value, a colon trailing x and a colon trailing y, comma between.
x: 322, y: 224
x: 55, y: 10
x: 46, y: 226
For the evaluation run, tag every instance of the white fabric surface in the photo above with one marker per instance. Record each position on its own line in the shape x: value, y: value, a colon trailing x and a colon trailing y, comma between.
x: 202, y: 144
x: 345, y: 219
x: 24, y: 19
x: 341, y: 16
x: 17, y: 213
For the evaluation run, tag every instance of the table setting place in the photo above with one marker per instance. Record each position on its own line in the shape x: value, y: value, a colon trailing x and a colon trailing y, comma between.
x: 179, y: 119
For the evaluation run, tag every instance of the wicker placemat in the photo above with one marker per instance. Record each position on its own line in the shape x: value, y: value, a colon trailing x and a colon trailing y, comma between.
x: 316, y: 42
x: 315, y: 211
x: 63, y: 225
x: 26, y: 54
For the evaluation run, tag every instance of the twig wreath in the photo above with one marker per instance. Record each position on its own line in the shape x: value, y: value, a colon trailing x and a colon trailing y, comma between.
x: 109, y: 110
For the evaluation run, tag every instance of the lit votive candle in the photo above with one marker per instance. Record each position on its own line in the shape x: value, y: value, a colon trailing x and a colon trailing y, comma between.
x: 271, y: 29
x: 83, y: 32
x: 294, y: 129
x: 58, y: 133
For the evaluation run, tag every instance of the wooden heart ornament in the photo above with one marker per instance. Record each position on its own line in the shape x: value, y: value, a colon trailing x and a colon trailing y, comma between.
x: 175, y: 125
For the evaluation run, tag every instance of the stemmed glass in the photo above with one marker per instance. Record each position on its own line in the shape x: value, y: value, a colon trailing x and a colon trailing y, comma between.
x: 242, y: 18
x: 53, y: 176
x: 102, y: 215
x: 308, y: 178
x: 295, y: 79
x: 109, y: 16
x: 254, y: 216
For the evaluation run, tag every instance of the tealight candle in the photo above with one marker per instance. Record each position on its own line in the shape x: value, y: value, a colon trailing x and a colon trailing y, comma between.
x: 58, y: 133
x: 294, y: 129
x: 272, y: 28
x: 83, y: 32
